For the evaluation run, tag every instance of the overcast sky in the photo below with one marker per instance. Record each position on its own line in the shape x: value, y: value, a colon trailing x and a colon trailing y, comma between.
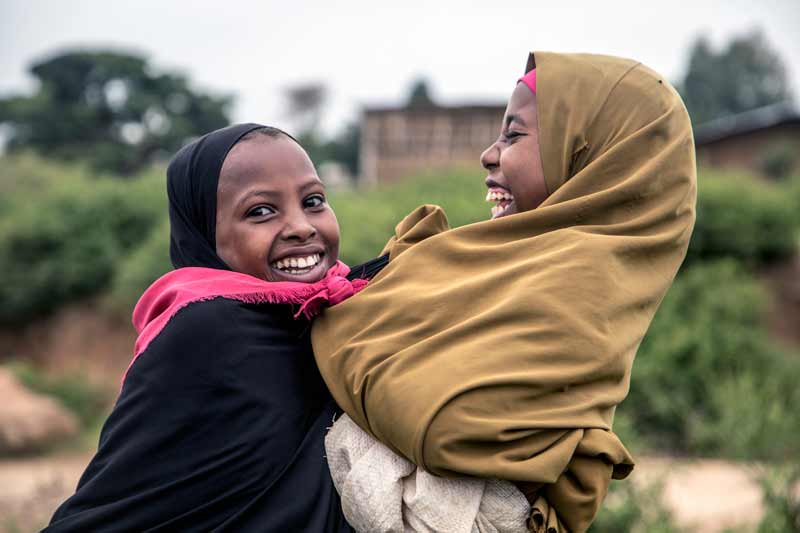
x: 367, y: 54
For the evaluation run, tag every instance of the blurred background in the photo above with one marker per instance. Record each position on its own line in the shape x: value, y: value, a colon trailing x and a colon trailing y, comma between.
x: 395, y: 106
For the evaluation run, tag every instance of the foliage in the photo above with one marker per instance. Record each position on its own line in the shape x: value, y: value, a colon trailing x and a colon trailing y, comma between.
x: 739, y: 217
x: 707, y: 378
x: 306, y: 104
x: 62, y: 240
x: 779, y: 161
x: 110, y: 109
x: 139, y: 269
x: 747, y: 74
x: 342, y: 148
x: 781, y: 490
x: 367, y: 218
x: 631, y: 510
x: 87, y: 401
x: 420, y: 94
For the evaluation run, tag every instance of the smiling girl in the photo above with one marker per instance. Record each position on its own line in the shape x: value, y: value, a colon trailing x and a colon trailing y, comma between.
x: 501, y: 349
x: 220, y: 422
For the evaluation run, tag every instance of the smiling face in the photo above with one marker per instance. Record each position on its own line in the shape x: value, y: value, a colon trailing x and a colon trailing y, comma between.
x: 516, y: 176
x: 273, y: 219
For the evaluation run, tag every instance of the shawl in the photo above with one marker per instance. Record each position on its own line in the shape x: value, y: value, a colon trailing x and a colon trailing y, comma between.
x: 219, y: 426
x: 501, y: 349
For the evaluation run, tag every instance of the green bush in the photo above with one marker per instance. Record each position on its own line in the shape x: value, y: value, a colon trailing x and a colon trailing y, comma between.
x: 62, y: 234
x: 781, y: 489
x: 753, y: 415
x: 706, y: 349
x: 139, y: 269
x: 631, y: 510
x: 743, y: 218
x: 367, y: 218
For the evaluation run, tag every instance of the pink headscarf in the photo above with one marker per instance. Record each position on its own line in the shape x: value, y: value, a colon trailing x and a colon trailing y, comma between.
x: 529, y: 79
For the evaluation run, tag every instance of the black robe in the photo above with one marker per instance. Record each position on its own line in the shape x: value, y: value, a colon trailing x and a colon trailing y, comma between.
x: 220, y: 426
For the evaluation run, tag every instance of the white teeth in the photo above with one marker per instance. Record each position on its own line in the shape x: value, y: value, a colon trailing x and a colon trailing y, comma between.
x: 297, y: 265
x: 494, y: 196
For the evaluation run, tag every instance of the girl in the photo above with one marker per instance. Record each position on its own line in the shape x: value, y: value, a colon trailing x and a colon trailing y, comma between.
x: 220, y: 422
x: 502, y: 348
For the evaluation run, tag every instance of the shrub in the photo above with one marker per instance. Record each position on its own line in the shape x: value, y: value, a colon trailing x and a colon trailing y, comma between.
x: 781, y: 489
x: 630, y: 510
x: 779, y: 161
x: 707, y: 348
x: 368, y: 218
x: 62, y: 233
x: 743, y: 218
x: 139, y: 269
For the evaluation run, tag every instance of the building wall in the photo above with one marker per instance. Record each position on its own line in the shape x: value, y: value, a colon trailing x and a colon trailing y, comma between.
x: 747, y: 151
x: 399, y: 143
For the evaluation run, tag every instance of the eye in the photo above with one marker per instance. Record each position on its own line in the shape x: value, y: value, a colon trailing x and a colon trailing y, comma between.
x: 315, y: 200
x: 511, y: 135
x: 260, y: 211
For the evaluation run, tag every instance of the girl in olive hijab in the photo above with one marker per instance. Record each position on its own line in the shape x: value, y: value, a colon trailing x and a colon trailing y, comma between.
x: 501, y: 349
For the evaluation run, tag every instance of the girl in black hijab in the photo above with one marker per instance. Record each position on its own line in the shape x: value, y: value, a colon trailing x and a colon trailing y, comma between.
x: 221, y: 419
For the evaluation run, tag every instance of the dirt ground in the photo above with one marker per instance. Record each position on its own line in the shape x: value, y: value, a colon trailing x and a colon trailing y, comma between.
x: 709, y: 495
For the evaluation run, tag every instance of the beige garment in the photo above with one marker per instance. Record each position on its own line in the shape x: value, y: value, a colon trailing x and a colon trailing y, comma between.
x: 383, y: 492
x: 501, y: 349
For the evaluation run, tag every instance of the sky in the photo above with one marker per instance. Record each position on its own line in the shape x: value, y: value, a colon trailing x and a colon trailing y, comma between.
x: 369, y: 54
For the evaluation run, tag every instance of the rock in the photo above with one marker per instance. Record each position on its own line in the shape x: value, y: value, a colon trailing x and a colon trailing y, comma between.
x: 30, y: 421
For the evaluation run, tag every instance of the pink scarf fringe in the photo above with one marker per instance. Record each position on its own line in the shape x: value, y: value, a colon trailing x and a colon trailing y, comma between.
x: 177, y: 289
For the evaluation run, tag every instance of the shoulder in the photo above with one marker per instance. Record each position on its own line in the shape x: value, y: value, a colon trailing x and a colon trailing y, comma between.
x: 203, y: 334
x: 222, y: 321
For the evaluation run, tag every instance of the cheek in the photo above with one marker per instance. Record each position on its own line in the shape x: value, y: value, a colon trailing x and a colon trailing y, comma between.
x: 330, y: 230
x: 246, y: 248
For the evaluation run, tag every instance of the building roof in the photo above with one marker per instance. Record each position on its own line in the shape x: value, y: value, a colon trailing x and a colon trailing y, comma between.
x: 459, y: 108
x: 747, y: 122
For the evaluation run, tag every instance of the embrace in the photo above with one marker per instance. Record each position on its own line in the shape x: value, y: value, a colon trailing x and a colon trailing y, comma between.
x: 464, y: 380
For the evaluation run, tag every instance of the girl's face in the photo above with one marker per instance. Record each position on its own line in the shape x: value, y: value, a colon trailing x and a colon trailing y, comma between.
x: 273, y: 219
x: 516, y: 176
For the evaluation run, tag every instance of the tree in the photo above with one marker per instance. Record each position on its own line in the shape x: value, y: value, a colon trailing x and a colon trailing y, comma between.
x: 109, y: 108
x: 305, y: 106
x: 745, y: 75
x: 420, y: 94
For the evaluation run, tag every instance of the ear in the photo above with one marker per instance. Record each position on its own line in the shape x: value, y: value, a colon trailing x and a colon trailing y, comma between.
x: 531, y: 63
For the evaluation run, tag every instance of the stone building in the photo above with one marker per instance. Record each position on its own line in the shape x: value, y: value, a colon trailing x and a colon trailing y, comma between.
x: 399, y: 142
x: 764, y: 140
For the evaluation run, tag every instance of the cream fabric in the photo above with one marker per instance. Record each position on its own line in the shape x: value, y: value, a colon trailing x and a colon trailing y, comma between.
x: 384, y: 493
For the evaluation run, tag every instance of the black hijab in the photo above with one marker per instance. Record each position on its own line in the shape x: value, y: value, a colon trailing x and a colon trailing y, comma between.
x: 192, y: 180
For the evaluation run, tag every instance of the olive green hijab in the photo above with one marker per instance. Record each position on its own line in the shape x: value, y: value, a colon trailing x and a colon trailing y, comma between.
x: 501, y: 349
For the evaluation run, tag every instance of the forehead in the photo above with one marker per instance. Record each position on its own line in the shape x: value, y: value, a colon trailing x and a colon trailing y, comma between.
x: 522, y: 103
x: 277, y: 160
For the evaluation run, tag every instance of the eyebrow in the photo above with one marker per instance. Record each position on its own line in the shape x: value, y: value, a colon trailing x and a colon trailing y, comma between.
x: 515, y: 118
x: 312, y: 182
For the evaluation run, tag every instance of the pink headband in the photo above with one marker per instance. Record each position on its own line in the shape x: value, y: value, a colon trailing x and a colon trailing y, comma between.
x: 529, y: 79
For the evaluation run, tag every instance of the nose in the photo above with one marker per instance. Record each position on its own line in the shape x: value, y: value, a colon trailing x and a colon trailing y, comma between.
x: 490, y: 158
x: 298, y: 228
